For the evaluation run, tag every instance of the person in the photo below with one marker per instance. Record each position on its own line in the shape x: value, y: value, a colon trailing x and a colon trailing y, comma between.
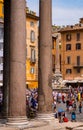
x: 74, y: 106
x: 73, y: 116
x: 70, y: 109
x: 70, y: 106
x: 63, y: 98
x: 55, y: 113
x: 79, y: 96
x: 80, y: 107
x: 67, y: 104
x: 60, y: 117
x: 54, y: 105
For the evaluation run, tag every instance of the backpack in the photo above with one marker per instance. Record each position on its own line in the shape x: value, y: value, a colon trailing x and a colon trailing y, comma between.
x: 65, y: 119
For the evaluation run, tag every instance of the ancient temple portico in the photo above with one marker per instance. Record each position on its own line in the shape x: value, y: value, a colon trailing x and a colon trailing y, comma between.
x: 15, y: 59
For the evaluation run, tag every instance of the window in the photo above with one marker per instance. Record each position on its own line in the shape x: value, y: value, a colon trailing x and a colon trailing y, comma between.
x: 68, y: 37
x: 78, y: 60
x: 78, y: 46
x: 53, y: 63
x: 68, y: 60
x: 60, y: 46
x: 78, y: 70
x: 32, y: 24
x: 33, y: 55
x: 68, y: 47
x: 52, y: 43
x: 78, y: 36
x: 1, y: 33
x: 68, y: 71
x: 32, y: 36
x: 1, y: 71
x: 1, y: 45
x: 32, y: 70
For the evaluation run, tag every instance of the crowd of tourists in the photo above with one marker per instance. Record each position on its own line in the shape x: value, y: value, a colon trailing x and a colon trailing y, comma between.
x: 31, y: 102
x: 71, y: 99
x: 1, y: 99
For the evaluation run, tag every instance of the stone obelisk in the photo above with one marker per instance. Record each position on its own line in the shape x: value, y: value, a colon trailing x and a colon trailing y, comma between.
x: 17, y: 80
x: 45, y: 56
x: 57, y: 62
x: 57, y: 75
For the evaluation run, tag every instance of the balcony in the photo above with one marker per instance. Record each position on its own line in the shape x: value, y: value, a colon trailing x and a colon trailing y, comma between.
x: 78, y: 66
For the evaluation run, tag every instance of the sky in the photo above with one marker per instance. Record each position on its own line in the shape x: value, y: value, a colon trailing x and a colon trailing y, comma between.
x: 64, y: 12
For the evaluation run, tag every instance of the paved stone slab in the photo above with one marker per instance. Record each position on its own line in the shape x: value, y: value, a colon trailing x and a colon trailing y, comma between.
x: 48, y: 125
x: 78, y: 128
x: 37, y: 123
x: 8, y: 128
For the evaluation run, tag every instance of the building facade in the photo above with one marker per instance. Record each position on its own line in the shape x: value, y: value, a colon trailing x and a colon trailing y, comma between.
x: 31, y: 49
x: 1, y: 9
x: 72, y: 54
x: 1, y: 53
x: 1, y: 41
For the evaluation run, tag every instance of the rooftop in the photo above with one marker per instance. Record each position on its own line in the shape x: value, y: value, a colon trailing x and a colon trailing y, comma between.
x: 78, y: 26
x: 31, y: 14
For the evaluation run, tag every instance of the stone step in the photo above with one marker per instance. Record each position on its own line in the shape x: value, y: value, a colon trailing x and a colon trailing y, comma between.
x: 48, y: 116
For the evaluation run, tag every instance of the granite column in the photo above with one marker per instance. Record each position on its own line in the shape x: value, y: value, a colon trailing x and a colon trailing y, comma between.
x: 17, y: 81
x: 45, y: 56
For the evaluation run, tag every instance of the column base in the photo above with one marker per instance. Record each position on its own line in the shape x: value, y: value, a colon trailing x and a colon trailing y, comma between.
x: 21, y: 122
x: 45, y: 116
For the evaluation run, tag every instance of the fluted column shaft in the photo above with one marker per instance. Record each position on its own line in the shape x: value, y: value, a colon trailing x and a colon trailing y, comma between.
x: 45, y: 56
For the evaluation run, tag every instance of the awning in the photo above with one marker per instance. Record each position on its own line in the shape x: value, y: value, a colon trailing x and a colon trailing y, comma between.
x: 80, y: 81
x: 74, y: 81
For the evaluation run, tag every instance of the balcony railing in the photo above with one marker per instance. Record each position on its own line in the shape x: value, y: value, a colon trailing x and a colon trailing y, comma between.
x: 78, y: 65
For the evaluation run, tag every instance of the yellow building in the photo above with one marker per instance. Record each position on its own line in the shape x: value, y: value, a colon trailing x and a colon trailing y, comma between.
x: 1, y: 9
x: 32, y: 49
x: 72, y: 53
x: 1, y: 40
x: 31, y: 45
